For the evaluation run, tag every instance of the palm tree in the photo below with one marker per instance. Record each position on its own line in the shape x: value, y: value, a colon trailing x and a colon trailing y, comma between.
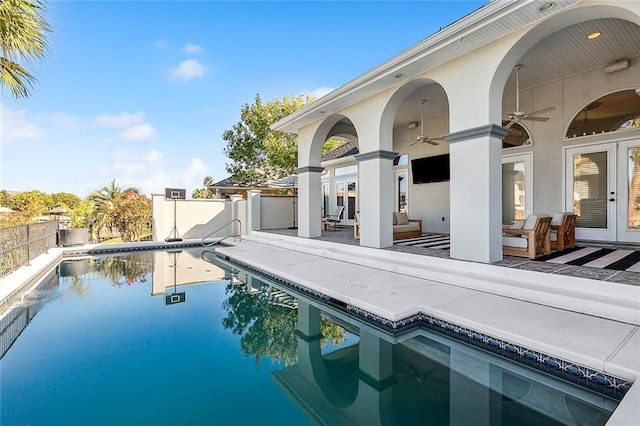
x: 23, y: 38
x: 106, y: 202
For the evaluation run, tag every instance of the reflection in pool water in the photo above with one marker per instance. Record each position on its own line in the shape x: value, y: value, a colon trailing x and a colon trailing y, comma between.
x: 97, y: 343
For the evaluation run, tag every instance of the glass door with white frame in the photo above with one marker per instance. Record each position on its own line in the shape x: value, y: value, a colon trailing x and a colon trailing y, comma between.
x: 346, y: 195
x: 603, y: 189
x: 516, y: 188
x: 628, y: 197
x: 401, y: 191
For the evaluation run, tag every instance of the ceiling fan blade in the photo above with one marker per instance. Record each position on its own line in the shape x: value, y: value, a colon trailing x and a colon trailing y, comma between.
x: 510, y: 123
x: 537, y: 118
x: 431, y: 142
x: 540, y: 111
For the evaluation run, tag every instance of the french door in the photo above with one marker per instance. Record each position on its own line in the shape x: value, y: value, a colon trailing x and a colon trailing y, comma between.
x: 346, y: 193
x: 603, y: 189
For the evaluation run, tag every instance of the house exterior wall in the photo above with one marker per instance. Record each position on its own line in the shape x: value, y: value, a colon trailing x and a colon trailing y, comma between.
x: 474, y: 84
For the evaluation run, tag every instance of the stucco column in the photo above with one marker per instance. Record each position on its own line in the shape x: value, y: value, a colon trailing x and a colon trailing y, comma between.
x: 253, y: 210
x: 237, y: 229
x: 476, y: 193
x: 375, y: 181
x: 309, y: 200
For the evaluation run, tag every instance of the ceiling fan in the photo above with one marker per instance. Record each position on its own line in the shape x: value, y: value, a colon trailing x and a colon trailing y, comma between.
x: 518, y: 115
x: 422, y: 138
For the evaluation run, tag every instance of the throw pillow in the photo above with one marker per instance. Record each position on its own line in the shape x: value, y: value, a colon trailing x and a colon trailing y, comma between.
x: 402, y: 218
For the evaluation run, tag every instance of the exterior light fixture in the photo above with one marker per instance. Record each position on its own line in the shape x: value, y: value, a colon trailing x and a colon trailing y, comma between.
x: 398, y: 75
x: 414, y: 124
x: 618, y: 65
x: 546, y: 6
x: 594, y: 35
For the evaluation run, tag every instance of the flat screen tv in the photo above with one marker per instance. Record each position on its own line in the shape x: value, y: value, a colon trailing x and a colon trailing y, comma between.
x: 430, y: 169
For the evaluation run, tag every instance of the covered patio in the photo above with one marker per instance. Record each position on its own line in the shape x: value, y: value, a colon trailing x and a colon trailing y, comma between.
x: 533, y: 106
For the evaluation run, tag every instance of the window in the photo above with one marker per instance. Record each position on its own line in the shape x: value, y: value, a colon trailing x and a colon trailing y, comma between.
x: 347, y: 170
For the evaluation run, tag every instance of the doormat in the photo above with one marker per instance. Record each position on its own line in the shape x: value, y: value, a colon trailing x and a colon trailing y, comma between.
x: 595, y: 257
x: 436, y: 241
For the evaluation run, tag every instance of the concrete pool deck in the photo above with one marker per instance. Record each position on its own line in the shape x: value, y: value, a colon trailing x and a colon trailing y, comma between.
x: 589, y: 322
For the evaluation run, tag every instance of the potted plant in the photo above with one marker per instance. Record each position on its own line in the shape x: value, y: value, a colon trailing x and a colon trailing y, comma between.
x: 77, y: 232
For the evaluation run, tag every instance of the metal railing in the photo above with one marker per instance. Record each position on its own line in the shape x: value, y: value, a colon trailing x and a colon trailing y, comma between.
x: 235, y: 236
x: 20, y: 244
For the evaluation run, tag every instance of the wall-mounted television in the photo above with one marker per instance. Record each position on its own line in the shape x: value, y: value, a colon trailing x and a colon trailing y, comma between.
x: 430, y: 169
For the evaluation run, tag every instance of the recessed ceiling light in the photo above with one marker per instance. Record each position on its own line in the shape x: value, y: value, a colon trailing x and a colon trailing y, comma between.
x: 546, y: 6
x: 593, y: 35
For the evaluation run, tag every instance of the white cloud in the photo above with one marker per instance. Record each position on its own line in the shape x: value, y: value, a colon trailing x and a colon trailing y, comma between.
x: 139, y: 133
x: 187, y: 70
x: 192, y: 48
x: 318, y: 92
x: 148, y: 172
x: 16, y: 125
x: 194, y: 174
x: 154, y: 156
x: 124, y: 119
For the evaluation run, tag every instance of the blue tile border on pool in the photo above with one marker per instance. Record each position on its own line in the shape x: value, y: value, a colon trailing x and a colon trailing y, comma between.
x: 575, y: 373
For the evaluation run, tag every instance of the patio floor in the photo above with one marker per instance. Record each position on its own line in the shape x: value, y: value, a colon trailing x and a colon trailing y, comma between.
x: 344, y: 235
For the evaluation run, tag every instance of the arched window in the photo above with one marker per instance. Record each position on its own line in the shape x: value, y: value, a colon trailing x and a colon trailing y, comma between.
x: 611, y: 113
x: 517, y: 137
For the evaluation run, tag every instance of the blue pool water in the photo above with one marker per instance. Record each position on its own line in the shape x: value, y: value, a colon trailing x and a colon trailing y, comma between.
x: 99, y: 342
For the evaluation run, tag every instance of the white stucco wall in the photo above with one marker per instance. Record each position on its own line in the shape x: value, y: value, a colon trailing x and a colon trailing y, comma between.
x: 194, y: 218
x: 276, y: 211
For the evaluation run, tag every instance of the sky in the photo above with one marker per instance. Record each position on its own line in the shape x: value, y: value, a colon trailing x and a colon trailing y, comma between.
x: 142, y: 91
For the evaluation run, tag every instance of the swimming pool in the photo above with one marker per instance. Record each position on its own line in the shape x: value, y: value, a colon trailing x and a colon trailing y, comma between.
x: 168, y: 338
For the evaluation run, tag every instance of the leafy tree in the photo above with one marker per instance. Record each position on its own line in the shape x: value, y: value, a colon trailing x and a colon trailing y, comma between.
x: 81, y: 214
x: 32, y: 203
x: 258, y: 153
x: 6, y: 200
x: 23, y: 38
x: 66, y: 199
x: 117, y: 208
x: 132, y: 215
x: 205, y: 192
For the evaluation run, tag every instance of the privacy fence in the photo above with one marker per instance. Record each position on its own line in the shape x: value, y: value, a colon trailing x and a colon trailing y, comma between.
x: 20, y: 244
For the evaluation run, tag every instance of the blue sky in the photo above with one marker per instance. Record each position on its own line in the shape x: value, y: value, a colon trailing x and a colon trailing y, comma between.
x: 141, y: 92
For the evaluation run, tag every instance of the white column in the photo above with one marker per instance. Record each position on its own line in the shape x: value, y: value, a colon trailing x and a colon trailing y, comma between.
x: 476, y: 193
x: 253, y: 210
x: 309, y: 201
x: 235, y: 214
x: 375, y: 181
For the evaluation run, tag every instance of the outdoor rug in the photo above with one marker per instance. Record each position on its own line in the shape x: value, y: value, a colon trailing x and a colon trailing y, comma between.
x: 436, y: 241
x: 593, y: 257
